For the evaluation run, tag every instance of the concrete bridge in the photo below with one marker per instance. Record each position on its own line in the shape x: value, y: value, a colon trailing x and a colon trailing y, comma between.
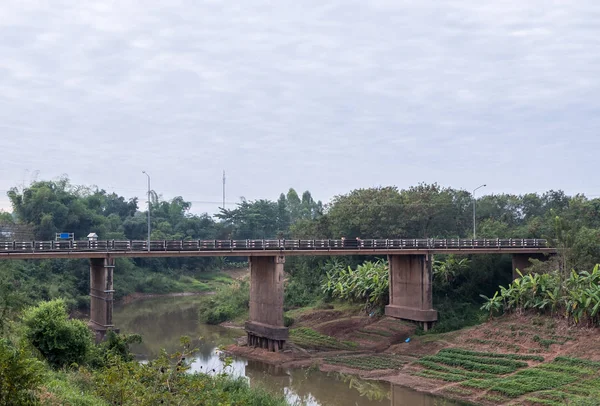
x: 410, y: 263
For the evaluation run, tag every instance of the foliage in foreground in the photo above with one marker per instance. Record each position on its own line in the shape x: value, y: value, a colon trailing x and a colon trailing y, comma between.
x: 61, y: 341
x: 576, y: 297
x: 20, y: 374
x: 166, y: 380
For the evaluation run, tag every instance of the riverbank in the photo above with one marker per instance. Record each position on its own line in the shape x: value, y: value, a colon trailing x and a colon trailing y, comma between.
x: 514, y: 359
x: 203, y: 284
x: 140, y: 296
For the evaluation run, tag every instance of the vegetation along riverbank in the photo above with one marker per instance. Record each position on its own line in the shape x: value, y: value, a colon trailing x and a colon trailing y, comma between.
x: 532, y: 341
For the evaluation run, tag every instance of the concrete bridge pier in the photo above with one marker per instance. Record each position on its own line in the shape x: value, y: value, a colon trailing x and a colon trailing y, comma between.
x: 101, y: 296
x: 411, y: 289
x: 265, y: 328
x: 521, y: 262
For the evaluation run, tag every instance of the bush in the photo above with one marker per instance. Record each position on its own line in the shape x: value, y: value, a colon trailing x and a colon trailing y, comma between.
x: 287, y: 320
x: 454, y: 316
x: 114, y: 345
x: 61, y: 341
x: 227, y: 303
x: 20, y: 375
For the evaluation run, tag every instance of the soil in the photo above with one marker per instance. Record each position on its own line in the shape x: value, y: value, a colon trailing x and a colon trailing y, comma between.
x: 523, y: 334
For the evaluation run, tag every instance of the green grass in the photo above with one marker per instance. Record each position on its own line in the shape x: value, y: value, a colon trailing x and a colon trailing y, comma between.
x: 216, y: 277
x: 308, y: 338
x: 493, y: 398
x: 458, y: 391
x: 68, y: 388
x: 367, y: 362
x: 368, y: 336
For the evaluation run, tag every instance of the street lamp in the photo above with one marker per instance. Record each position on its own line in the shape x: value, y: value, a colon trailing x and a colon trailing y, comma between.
x: 479, y: 187
x: 145, y: 173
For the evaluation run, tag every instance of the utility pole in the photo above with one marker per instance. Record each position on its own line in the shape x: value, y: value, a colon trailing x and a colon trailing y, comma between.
x: 474, y: 202
x: 223, y: 189
x: 148, y: 245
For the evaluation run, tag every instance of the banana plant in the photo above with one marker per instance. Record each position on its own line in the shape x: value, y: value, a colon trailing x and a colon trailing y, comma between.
x: 492, y: 304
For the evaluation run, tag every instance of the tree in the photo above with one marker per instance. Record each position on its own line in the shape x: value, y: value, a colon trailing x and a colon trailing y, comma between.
x: 252, y: 219
x: 368, y: 213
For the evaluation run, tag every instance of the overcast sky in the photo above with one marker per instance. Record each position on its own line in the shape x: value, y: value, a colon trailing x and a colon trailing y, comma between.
x: 322, y: 95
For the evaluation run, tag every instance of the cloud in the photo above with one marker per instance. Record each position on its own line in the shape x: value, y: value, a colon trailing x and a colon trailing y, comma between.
x: 321, y: 95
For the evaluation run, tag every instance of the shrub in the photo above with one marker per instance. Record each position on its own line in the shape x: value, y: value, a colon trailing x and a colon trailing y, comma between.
x: 113, y: 345
x: 227, y: 303
x: 287, y: 320
x: 20, y: 375
x: 60, y: 340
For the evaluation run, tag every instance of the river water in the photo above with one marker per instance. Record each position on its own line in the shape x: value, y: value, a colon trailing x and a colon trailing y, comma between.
x: 162, y: 321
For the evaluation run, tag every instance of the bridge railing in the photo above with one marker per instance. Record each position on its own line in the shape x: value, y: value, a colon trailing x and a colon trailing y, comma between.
x: 279, y: 245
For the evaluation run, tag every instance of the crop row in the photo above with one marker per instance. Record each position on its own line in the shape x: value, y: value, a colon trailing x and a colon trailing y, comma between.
x: 523, y: 382
x: 493, y: 355
x: 455, y: 371
x: 367, y: 363
x: 470, y: 365
x: 569, y: 369
x: 578, y: 362
x: 308, y: 338
x: 443, y: 376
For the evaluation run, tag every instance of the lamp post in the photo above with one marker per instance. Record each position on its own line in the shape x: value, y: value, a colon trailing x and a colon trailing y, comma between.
x: 145, y: 173
x: 474, y: 229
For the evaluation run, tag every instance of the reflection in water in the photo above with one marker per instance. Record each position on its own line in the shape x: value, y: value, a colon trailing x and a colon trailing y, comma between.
x: 162, y: 321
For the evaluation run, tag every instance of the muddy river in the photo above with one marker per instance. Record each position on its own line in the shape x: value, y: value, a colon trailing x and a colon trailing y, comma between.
x: 162, y: 321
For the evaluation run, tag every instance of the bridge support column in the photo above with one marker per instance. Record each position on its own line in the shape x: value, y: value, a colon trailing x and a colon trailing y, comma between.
x: 101, y: 296
x: 410, y: 289
x: 521, y: 262
x: 265, y: 328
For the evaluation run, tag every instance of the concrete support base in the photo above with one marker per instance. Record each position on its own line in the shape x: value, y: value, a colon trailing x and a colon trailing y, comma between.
x: 410, y: 289
x: 264, y: 336
x: 265, y: 328
x: 101, y: 296
x: 407, y: 313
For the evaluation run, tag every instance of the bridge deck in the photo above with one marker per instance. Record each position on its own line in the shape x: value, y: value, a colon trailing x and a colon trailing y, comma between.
x: 249, y: 248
